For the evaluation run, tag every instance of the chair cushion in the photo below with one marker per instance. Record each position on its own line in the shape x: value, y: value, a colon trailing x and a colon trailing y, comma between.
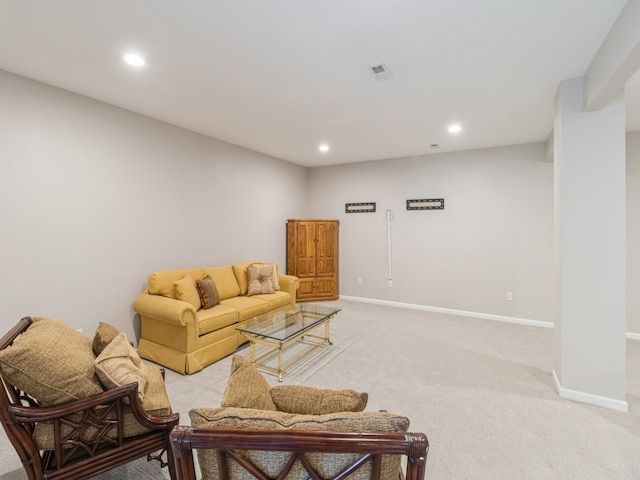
x: 161, y: 282
x: 103, y: 336
x: 275, y: 279
x: 317, y: 401
x: 38, y: 365
x: 225, y: 281
x: 246, y: 387
x: 240, y: 272
x: 156, y: 402
x: 327, y: 465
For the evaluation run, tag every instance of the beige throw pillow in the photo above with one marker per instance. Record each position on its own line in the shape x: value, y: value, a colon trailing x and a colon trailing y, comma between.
x: 274, y: 277
x: 260, y: 279
x: 186, y: 291
x: 119, y: 364
x: 246, y: 387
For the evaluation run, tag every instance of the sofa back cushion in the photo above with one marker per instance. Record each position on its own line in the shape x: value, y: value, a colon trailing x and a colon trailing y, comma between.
x: 225, y: 281
x: 161, y: 282
x: 328, y: 465
x: 240, y: 272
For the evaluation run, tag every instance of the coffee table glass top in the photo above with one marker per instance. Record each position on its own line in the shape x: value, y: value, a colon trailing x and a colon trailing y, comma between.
x: 281, y: 326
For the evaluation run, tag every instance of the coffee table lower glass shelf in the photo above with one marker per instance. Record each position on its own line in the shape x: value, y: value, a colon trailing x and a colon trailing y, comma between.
x: 278, y: 330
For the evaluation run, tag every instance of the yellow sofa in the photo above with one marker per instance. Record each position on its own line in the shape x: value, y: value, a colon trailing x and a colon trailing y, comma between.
x: 180, y: 336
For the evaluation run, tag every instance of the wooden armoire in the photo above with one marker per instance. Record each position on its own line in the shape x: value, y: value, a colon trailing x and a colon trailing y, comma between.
x: 312, y: 256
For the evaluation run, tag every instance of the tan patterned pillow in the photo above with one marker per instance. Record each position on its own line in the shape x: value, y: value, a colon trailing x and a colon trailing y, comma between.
x: 209, y: 296
x: 317, y: 401
x: 246, y: 387
x: 186, y: 291
x: 274, y: 277
x: 119, y: 364
x: 260, y: 279
x: 37, y: 365
x: 105, y: 333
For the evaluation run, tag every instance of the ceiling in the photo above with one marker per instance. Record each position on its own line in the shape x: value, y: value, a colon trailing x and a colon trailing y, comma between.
x: 283, y: 76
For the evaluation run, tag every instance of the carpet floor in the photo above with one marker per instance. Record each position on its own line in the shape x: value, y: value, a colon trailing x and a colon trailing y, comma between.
x: 481, y: 390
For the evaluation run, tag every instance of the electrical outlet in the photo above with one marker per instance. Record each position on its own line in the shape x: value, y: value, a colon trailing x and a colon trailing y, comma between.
x: 359, y: 280
x: 509, y: 296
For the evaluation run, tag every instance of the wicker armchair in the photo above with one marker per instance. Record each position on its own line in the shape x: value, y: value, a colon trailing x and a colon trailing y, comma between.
x: 297, y: 454
x: 81, y: 438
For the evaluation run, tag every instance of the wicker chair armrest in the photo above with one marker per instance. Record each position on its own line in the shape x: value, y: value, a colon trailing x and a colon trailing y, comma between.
x: 184, y: 439
x: 25, y: 414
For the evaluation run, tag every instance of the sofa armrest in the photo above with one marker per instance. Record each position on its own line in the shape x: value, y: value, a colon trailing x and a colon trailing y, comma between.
x: 289, y: 284
x: 169, y: 310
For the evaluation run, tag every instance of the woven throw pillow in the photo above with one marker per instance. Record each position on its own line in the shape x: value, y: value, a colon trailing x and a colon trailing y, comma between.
x: 317, y: 401
x: 208, y: 292
x: 246, y: 387
x: 186, y: 291
x: 52, y: 362
x: 260, y: 279
x: 105, y: 333
x: 119, y: 364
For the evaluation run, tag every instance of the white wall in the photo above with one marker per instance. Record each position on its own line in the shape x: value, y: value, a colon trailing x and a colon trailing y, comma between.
x: 494, y: 235
x: 94, y: 198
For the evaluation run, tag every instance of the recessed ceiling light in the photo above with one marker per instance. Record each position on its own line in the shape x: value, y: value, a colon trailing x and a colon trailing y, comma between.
x: 134, y: 59
x: 324, y: 148
x: 455, y: 128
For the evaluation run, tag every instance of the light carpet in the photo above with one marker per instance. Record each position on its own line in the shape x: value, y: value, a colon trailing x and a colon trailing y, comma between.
x: 481, y: 390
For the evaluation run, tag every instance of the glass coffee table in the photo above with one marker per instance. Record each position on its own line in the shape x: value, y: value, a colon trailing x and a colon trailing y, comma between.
x: 278, y: 330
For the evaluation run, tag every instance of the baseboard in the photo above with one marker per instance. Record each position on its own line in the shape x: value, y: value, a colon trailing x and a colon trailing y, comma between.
x: 464, y: 313
x: 583, y: 397
x: 449, y: 311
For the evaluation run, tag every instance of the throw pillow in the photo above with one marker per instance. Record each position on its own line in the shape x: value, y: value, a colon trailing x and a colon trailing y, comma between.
x: 274, y: 277
x: 119, y: 364
x: 208, y: 292
x: 103, y: 336
x: 246, y: 387
x: 52, y: 362
x: 186, y: 291
x: 317, y: 401
x: 259, y: 277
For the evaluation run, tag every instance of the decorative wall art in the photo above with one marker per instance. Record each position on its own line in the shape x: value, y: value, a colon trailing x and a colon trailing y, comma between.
x: 426, y: 204
x: 360, y: 207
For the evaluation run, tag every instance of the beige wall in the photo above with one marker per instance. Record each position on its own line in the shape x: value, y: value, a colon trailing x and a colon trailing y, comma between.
x: 94, y: 198
x: 633, y: 233
x: 494, y: 235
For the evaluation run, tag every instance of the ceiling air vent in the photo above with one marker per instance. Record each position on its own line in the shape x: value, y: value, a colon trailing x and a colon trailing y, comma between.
x: 381, y: 72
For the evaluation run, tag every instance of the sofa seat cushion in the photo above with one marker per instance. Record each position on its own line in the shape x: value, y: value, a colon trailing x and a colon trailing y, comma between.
x: 247, y: 307
x: 275, y: 300
x: 156, y: 402
x: 215, y: 318
x: 328, y: 465
x: 162, y: 281
x: 225, y: 281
